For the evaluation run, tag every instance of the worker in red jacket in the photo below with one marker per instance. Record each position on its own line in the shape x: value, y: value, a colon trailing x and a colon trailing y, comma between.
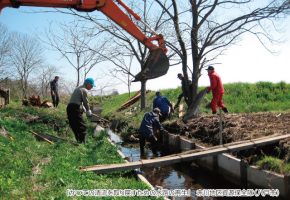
x: 217, y: 88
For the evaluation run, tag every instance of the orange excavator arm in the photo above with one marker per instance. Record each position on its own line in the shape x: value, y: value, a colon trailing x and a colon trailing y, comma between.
x: 157, y: 59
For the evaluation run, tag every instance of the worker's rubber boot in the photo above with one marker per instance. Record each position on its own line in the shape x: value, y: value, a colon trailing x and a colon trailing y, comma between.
x: 225, y: 110
x: 213, y: 112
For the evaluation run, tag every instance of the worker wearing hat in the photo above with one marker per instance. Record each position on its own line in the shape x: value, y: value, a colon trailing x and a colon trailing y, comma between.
x: 217, y: 88
x: 78, y: 100
x: 149, y: 124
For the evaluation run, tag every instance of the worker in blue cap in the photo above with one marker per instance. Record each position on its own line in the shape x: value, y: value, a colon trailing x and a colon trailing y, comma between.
x: 77, y: 104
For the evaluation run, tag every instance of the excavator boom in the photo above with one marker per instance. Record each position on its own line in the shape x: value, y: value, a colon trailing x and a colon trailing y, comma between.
x: 157, y: 63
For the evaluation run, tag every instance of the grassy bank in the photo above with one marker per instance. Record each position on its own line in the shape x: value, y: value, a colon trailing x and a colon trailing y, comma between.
x: 238, y: 97
x: 32, y: 169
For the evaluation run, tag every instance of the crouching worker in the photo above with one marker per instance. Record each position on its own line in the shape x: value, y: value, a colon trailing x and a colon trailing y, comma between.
x: 150, y: 123
x: 78, y: 100
x: 164, y: 105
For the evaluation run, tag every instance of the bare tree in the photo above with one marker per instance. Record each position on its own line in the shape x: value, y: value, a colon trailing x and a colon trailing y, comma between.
x: 5, y: 48
x: 26, y: 57
x: 123, y: 72
x: 122, y: 41
x: 47, y: 73
x: 206, y: 29
x: 71, y: 42
x: 103, y: 85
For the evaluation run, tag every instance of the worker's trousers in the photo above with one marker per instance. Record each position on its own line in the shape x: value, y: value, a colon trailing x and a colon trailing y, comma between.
x: 151, y: 139
x: 76, y: 122
x: 217, y: 101
x: 55, y: 98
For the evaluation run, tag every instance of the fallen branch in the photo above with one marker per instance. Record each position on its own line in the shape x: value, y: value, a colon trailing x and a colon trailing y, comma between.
x: 40, y: 136
x: 5, y: 134
x: 100, y: 118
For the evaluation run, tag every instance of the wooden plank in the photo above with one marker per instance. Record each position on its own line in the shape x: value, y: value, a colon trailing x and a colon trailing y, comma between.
x: 225, y: 145
x: 112, y: 167
x: 184, y: 157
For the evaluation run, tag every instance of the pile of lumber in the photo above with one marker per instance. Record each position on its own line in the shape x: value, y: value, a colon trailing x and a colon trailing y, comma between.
x: 4, y: 97
x: 36, y: 101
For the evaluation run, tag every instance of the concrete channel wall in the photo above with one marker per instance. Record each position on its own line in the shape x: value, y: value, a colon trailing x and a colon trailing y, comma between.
x: 139, y: 176
x: 232, y: 168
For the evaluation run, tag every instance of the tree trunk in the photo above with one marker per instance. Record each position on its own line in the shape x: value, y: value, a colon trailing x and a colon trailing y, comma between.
x: 143, y: 94
x: 78, y: 77
x: 194, y: 50
x: 129, y: 91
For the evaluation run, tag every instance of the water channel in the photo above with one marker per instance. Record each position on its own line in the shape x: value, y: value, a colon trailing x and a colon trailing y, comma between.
x: 178, y: 176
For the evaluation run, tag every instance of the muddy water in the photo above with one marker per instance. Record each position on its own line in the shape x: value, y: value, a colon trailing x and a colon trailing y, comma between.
x: 178, y: 176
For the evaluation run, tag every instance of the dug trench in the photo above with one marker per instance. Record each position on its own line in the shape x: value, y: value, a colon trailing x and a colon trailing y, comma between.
x: 205, y: 131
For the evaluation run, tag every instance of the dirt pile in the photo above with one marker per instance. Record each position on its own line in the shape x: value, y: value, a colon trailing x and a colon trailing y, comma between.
x: 236, y: 127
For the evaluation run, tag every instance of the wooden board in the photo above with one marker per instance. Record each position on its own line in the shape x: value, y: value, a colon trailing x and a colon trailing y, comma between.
x: 182, y: 157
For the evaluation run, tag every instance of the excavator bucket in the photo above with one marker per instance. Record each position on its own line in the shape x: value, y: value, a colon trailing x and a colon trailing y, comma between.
x: 156, y: 65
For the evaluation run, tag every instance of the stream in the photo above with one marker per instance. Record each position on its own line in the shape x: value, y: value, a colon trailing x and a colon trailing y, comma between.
x: 177, y: 176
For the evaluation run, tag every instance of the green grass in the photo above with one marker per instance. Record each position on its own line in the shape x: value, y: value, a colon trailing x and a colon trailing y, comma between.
x: 32, y: 169
x: 273, y: 164
x: 238, y: 97
x: 259, y: 97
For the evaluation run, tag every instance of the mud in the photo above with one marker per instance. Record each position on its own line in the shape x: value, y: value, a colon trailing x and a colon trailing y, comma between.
x: 235, y: 127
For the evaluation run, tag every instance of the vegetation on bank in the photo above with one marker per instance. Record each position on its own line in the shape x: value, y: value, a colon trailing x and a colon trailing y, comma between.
x: 273, y: 164
x: 32, y: 169
x: 239, y: 98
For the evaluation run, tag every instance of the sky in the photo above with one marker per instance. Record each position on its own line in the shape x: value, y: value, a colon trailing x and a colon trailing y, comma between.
x: 247, y: 61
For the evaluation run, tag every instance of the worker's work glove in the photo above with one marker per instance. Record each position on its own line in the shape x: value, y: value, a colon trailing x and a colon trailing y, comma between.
x: 89, y: 113
x: 82, y: 109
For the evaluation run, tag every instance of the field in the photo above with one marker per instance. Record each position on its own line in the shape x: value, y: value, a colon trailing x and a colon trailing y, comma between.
x: 35, y: 169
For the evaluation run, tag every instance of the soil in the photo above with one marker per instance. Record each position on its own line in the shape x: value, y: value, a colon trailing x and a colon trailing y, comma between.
x: 236, y: 127
x: 205, y: 130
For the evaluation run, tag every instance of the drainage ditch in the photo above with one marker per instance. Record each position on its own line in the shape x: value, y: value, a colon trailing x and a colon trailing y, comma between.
x: 178, y: 176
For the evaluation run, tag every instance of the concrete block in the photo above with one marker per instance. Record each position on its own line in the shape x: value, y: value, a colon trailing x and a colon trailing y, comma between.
x: 229, y: 166
x: 186, y: 145
x: 266, y: 179
x: 174, y: 142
